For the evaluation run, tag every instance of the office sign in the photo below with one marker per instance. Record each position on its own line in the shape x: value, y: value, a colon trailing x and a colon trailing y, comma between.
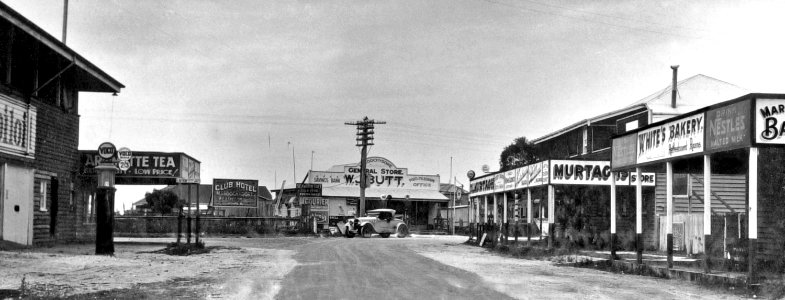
x: 770, y: 121
x: 235, y: 192
x: 728, y: 127
x: 672, y: 139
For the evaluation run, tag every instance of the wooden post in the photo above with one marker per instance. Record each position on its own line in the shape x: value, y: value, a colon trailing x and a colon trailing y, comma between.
x: 485, y: 205
x: 529, y: 213
x: 504, y: 219
x: 551, y: 214
x: 707, y: 213
x: 669, y: 211
x: 639, y: 215
x: 613, y: 216
x: 752, y: 219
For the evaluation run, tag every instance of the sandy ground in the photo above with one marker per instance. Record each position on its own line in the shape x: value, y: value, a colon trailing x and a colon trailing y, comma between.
x: 67, y: 270
x: 319, y: 268
x: 535, y: 279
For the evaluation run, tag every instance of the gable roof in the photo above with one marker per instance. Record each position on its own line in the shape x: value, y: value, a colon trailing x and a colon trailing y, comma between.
x: 93, y: 78
x: 692, y: 93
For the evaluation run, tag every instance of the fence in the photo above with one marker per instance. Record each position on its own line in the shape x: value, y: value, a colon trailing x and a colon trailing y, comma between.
x: 162, y: 226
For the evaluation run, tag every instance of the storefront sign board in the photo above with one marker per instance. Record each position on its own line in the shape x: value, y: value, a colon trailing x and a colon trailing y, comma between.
x: 17, y: 127
x: 728, y: 127
x: 770, y: 121
x: 380, y: 173
x: 309, y: 190
x: 624, y: 153
x: 577, y: 172
x: 672, y: 139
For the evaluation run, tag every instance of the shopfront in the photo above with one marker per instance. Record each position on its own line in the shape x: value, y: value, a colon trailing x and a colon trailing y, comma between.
x: 415, y: 198
x: 731, y: 153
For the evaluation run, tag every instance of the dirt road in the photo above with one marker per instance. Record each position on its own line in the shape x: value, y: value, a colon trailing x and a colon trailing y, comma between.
x: 419, y: 267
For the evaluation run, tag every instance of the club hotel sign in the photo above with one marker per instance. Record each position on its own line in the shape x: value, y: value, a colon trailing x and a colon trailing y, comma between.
x: 734, y: 124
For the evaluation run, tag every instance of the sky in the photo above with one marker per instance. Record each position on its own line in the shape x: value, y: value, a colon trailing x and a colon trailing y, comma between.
x: 262, y: 89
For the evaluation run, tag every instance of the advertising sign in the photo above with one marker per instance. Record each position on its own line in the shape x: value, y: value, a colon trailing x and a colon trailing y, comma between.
x: 482, y: 186
x: 321, y: 216
x: 579, y: 172
x: 315, y: 202
x: 309, y: 190
x: 728, y: 127
x: 770, y: 121
x: 676, y: 138
x: 17, y: 127
x: 146, y: 167
x: 235, y: 192
x: 624, y: 151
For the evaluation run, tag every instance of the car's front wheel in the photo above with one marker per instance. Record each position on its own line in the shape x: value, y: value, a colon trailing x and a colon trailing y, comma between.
x: 366, y: 230
x: 348, y: 233
x: 403, y: 231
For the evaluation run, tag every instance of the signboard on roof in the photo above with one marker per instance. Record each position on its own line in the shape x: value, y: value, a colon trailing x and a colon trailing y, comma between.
x: 380, y: 172
x: 147, y: 167
x: 676, y: 138
x: 770, y: 121
x: 728, y: 127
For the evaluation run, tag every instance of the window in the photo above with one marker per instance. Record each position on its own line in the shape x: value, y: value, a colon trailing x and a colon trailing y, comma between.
x: 89, y: 208
x: 585, y: 140
x: 43, y: 193
x: 680, y: 187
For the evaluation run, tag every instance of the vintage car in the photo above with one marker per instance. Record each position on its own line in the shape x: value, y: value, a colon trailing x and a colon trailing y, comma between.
x: 380, y: 221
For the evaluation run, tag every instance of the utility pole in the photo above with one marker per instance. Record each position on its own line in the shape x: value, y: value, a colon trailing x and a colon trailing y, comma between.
x: 364, y: 139
x: 65, y: 19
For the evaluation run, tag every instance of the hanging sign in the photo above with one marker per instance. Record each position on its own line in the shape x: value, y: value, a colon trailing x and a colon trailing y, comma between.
x: 676, y: 138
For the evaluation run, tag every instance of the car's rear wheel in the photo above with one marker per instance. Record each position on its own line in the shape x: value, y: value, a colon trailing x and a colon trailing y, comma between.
x: 366, y: 230
x: 384, y: 235
x: 403, y: 231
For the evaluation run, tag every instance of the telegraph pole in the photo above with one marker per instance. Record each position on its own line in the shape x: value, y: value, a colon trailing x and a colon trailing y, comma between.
x: 364, y: 139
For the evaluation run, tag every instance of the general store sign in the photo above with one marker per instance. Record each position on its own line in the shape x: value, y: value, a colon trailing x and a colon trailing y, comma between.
x: 380, y: 172
x: 676, y: 138
x: 17, y: 127
x: 579, y: 172
x: 770, y: 121
x: 235, y: 192
x: 147, y: 167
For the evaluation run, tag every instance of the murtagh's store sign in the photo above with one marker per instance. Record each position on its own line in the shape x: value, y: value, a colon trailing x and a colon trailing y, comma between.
x: 559, y: 172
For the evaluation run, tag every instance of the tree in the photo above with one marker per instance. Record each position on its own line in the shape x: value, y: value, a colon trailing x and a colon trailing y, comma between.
x: 163, y: 201
x: 520, y: 153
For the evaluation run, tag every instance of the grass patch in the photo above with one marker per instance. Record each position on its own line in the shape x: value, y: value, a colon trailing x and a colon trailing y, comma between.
x: 182, y: 249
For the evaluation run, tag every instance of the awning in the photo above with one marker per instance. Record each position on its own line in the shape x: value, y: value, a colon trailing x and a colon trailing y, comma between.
x: 376, y: 192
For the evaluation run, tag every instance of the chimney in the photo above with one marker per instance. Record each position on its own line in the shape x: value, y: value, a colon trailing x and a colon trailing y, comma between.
x: 673, y: 90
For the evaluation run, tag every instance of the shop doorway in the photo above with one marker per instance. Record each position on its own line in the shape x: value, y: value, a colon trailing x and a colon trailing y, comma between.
x: 17, y: 204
